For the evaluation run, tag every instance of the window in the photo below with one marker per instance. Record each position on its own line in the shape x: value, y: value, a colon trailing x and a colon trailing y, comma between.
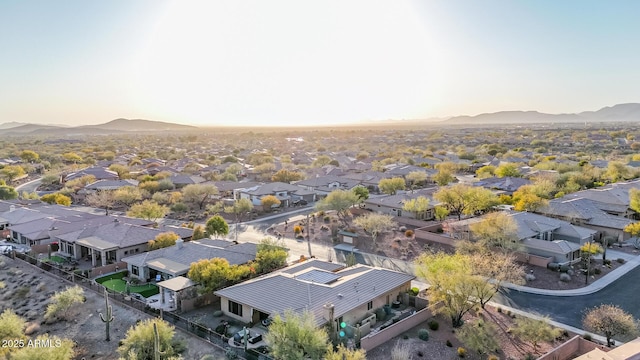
x: 126, y: 252
x: 134, y: 270
x: 235, y: 308
x: 137, y: 250
x: 370, y: 305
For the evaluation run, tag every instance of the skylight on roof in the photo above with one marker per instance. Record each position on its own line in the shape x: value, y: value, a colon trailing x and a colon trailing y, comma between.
x: 319, y: 276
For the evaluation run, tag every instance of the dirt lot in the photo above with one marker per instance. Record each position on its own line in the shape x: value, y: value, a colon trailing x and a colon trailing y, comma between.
x: 28, y: 290
x: 436, y: 347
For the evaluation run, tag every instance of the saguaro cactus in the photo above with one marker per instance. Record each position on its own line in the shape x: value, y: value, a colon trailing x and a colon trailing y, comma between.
x: 107, y: 318
x: 156, y: 343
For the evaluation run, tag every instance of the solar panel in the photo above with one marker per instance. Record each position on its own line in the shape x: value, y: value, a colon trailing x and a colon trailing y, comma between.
x: 319, y: 276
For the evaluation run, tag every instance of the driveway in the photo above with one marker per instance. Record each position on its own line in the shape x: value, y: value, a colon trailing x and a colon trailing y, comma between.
x: 569, y: 310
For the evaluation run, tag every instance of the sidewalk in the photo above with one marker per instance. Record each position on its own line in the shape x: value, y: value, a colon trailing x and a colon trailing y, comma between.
x: 632, y: 261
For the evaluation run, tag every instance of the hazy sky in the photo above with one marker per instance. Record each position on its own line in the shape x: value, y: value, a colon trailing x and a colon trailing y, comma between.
x: 312, y: 62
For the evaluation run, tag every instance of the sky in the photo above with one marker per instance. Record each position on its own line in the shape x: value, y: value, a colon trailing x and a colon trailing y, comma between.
x: 299, y: 62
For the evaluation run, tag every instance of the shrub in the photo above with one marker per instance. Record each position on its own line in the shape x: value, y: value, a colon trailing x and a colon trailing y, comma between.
x: 401, y: 351
x: 553, y: 266
x: 326, y: 218
x: 423, y: 334
x: 433, y: 325
x: 597, y: 271
x: 620, y: 260
x: 564, y: 277
x: 493, y: 357
x: 499, y: 309
x: 530, y: 277
x: 564, y: 268
x: 462, y: 352
x: 402, y: 228
x: 217, y: 313
x: 449, y: 344
x: 607, y: 262
x: 530, y: 356
x: 414, y: 291
x: 408, y: 233
x: 380, y: 314
x: 587, y: 337
x: 405, y: 337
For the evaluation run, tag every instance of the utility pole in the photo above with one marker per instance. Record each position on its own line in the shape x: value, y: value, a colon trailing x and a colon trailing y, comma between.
x: 308, y: 236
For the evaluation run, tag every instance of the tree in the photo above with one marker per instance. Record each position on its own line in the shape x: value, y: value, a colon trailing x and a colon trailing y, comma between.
x: 216, y: 273
x: 63, y: 301
x: 507, y: 170
x: 485, y: 171
x: 239, y: 209
x: 216, y: 226
x: 163, y: 240
x: 287, y: 176
x: 321, y: 161
x: 634, y: 199
x: 56, y: 198
x: 140, y: 339
x: 443, y: 177
x: 12, y: 172
x: 60, y: 349
x: 72, y: 157
x: 199, y: 193
x: 463, y: 199
x: 127, y: 195
x: 296, y: 337
x: 343, y: 353
x: 535, y: 331
x: 270, y: 255
x: 79, y: 183
x: 198, y: 233
x: 479, y: 336
x: 496, y: 229
x: 391, y: 186
x: 121, y: 170
x: 148, y: 210
x: 587, y: 251
x: 416, y: 178
x: 528, y: 202
x: 150, y: 186
x: 375, y: 224
x: 417, y: 206
x: 101, y: 199
x: 8, y: 192
x: 269, y: 201
x: 452, y: 284
x: 610, y: 321
x: 441, y: 212
x: 361, y: 192
x: 11, y: 327
x: 492, y: 271
x: 29, y: 156
x: 340, y: 201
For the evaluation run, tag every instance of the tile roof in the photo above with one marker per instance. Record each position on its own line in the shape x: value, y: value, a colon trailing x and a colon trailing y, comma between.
x: 276, y: 292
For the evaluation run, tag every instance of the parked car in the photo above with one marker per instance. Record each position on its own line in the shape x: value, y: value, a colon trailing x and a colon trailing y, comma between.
x: 300, y: 202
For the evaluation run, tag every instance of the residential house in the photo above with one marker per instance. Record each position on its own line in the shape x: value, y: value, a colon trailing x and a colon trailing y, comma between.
x: 180, y: 181
x: 99, y: 173
x: 176, y: 260
x: 369, y: 179
x: 286, y: 193
x: 333, y: 294
x: 587, y: 213
x: 505, y: 185
x: 113, y: 241
x: 393, y: 204
x: 102, y: 185
x: 323, y: 185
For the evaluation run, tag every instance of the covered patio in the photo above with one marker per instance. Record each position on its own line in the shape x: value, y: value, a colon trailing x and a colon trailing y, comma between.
x: 171, y: 290
x: 97, y: 249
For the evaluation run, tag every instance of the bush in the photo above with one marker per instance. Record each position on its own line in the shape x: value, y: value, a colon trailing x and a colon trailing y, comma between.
x: 530, y: 356
x: 530, y: 277
x: 326, y: 218
x: 414, y: 291
x: 433, y: 325
x: 423, y: 334
x: 406, y: 337
x: 553, y: 266
x: 597, y: 271
x: 499, y: 309
x: 462, y: 352
x: 564, y: 277
x: 620, y: 260
x: 607, y: 262
x: 449, y: 344
x: 493, y: 357
x: 408, y: 233
x: 217, y: 313
x: 587, y: 337
x: 380, y: 314
x: 564, y: 268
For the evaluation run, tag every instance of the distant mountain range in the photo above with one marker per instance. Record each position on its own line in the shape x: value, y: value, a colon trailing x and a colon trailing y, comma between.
x: 111, y: 127
x: 616, y: 113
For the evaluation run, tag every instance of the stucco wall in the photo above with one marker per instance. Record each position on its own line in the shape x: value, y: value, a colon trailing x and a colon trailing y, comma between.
x: 371, y: 341
x: 574, y: 347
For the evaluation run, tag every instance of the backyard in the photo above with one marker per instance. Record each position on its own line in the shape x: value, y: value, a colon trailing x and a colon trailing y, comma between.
x: 116, y: 282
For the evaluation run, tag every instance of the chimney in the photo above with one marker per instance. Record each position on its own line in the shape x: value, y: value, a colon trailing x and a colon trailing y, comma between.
x: 179, y: 243
x: 328, y: 312
x: 12, y: 208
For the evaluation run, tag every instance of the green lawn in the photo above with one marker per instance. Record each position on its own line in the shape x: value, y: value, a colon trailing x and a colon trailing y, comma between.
x: 57, y: 259
x: 120, y: 286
